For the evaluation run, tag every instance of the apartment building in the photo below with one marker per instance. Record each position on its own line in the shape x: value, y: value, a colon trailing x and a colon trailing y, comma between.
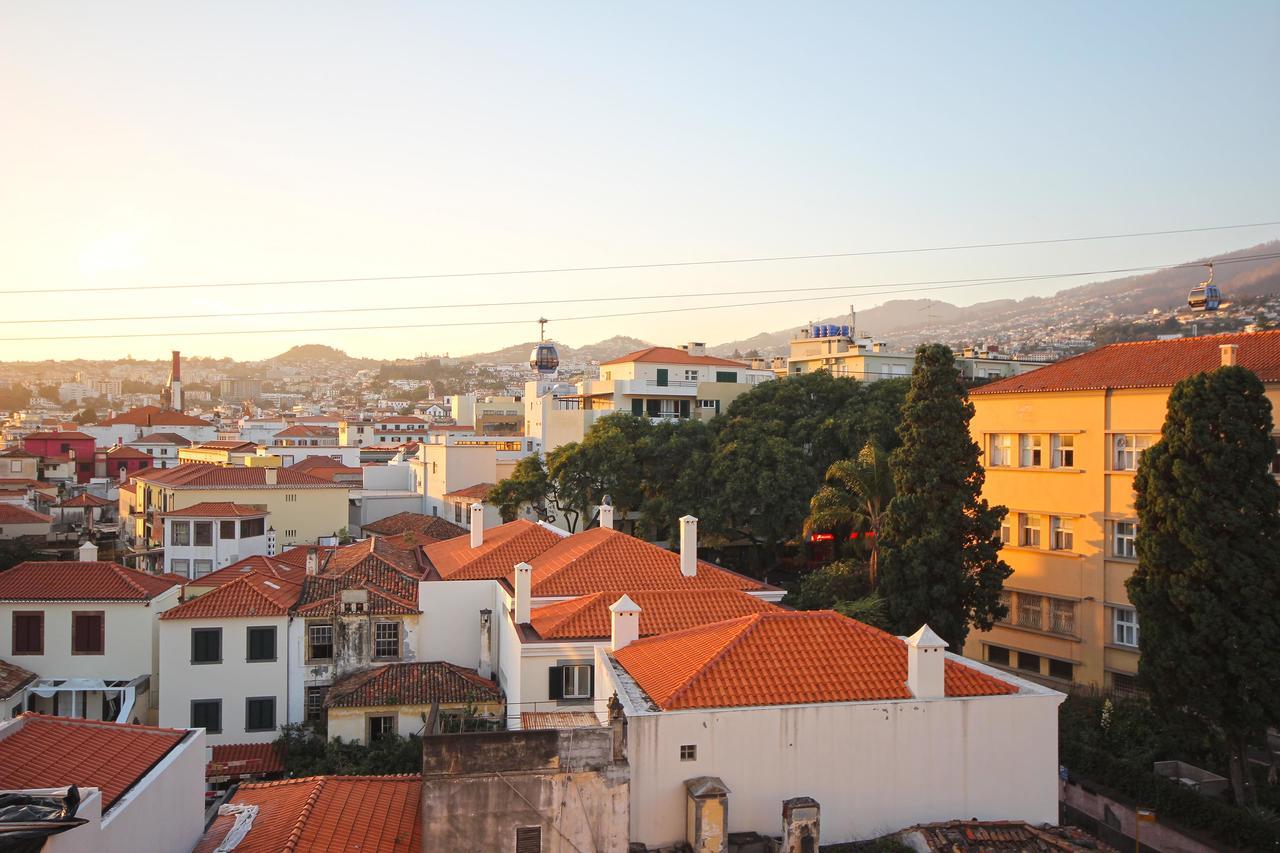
x: 1061, y: 446
x: 393, y: 429
x: 205, y: 537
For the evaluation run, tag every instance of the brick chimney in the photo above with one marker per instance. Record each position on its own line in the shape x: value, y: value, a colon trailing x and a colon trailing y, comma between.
x: 606, y: 516
x: 524, y: 582
x: 624, y: 623
x: 1230, y: 353
x: 477, y: 525
x: 926, y: 663
x: 688, y: 546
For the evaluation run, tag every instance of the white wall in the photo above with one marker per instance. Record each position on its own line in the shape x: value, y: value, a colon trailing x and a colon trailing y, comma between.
x: 348, y: 456
x: 449, y: 629
x: 233, y: 681
x: 223, y: 552
x: 535, y: 660
x: 13, y: 531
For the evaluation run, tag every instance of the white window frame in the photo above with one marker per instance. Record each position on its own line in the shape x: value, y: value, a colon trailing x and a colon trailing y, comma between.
x: 1063, y: 446
x: 180, y: 533
x: 1001, y: 450
x: 1124, y: 627
x: 691, y: 376
x: 180, y: 567
x: 1029, y: 532
x: 1031, y: 450
x: 1127, y: 449
x: 576, y: 681
x: 1124, y: 545
x: 1061, y: 534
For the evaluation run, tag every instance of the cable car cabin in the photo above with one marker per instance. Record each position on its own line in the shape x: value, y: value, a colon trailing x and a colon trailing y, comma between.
x: 544, y: 358
x: 1204, y: 297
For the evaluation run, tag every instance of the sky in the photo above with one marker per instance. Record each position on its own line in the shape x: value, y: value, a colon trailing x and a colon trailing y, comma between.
x: 150, y: 143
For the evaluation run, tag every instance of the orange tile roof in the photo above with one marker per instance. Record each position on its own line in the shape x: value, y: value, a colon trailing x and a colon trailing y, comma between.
x: 244, y: 759
x: 1146, y: 364
x: 661, y: 612
x: 79, y: 581
x: 557, y: 720
x: 415, y: 683
x: 50, y: 752
x: 672, y: 355
x: 783, y: 658
x: 307, y: 431
x: 604, y: 559
x: 228, y: 444
x: 504, y: 546
x: 193, y: 475
x: 248, y: 595
x: 13, y: 678
x: 267, y: 566
x: 14, y: 514
x: 404, y: 522
x: 17, y: 453
x: 479, y: 491
x: 86, y: 501
x: 163, y: 438
x: 327, y: 813
x: 216, y: 509
x: 154, y: 416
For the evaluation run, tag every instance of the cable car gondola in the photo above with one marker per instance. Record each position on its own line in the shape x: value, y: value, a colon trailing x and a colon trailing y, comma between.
x: 1205, y: 296
x: 544, y: 358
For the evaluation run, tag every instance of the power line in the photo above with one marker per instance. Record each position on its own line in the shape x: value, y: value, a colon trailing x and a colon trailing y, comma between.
x: 922, y: 286
x: 488, y: 323
x: 659, y: 265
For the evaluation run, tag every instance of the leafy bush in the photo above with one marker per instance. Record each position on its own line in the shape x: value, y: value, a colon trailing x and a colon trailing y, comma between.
x: 308, y: 753
x: 825, y: 587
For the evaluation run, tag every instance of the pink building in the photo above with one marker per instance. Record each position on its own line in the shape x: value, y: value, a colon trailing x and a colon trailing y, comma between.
x: 74, y: 445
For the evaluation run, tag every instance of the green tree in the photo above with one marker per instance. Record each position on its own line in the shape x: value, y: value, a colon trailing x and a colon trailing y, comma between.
x: 940, y: 553
x: 88, y: 415
x: 527, y: 485
x: 855, y: 499
x: 1208, y: 575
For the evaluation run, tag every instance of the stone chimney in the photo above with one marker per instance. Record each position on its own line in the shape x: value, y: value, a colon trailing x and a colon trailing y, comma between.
x: 88, y: 552
x: 926, y: 662
x: 688, y: 546
x: 313, y: 560
x: 477, y: 525
x: 270, y: 476
x: 624, y: 622
x: 485, y: 669
x: 524, y: 582
x: 606, y: 516
x: 1230, y: 353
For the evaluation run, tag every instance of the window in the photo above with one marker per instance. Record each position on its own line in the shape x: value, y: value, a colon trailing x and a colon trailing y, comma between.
x: 691, y: 376
x: 87, y: 629
x: 253, y: 527
x: 202, y: 567
x: 707, y: 404
x: 1029, y: 536
x: 528, y: 839
x: 1123, y: 543
x: 1030, y: 611
x: 577, y: 682
x: 1006, y: 533
x: 319, y: 642
x: 1029, y: 662
x: 28, y: 632
x: 1062, y: 537
x: 259, y: 713
x: 1124, y: 684
x: 998, y: 655
x: 15, y: 467
x: 688, y: 752
x: 204, y: 534
x: 1001, y: 450
x: 261, y: 644
x: 226, y: 530
x: 314, y: 703
x: 386, y: 639
x: 457, y: 513
x: 1124, y: 626
x: 1006, y: 601
x: 179, y: 533
x: 1062, y: 616
x: 381, y: 727
x: 206, y: 645
x: 180, y: 567
x: 1032, y: 447
x: 207, y: 714
x: 726, y: 376
x: 1128, y: 450
x: 1064, y: 450
x: 1060, y: 669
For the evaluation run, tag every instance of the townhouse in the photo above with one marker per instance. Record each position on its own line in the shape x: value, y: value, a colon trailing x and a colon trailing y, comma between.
x: 392, y: 429
x: 128, y: 427
x: 72, y: 449
x: 208, y: 536
x: 18, y: 522
x: 1061, y: 446
x: 400, y: 698
x: 162, y: 447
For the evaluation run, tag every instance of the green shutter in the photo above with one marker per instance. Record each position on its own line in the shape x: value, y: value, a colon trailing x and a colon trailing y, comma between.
x: 555, y: 682
x: 726, y: 376
x: 637, y: 407
x: 662, y: 376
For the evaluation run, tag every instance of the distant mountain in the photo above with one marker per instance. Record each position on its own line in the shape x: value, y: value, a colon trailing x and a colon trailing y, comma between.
x: 599, y: 351
x: 312, y: 353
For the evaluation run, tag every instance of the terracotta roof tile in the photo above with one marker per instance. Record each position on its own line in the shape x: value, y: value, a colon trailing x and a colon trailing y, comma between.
x: 14, y: 514
x: 163, y: 438
x: 404, y: 522
x: 79, y: 581
x: 1146, y: 364
x: 50, y: 752
x: 783, y: 658
x: 13, y: 678
x: 85, y: 500
x: 70, y: 435
x: 504, y: 546
x: 557, y: 720
x: 244, y: 759
x: 671, y: 355
x: 661, y: 612
x: 307, y: 431
x: 267, y: 566
x: 216, y: 509
x: 194, y: 475
x: 249, y: 595
x: 154, y: 416
x: 417, y: 683
x: 479, y: 492
x: 327, y: 813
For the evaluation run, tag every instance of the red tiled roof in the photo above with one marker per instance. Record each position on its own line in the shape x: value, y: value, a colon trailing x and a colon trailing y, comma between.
x: 530, y: 720
x: 389, y: 592
x: 431, y: 526
x: 154, y: 416
x: 50, y: 752
x: 297, y: 555
x: 504, y: 546
x: 332, y: 472
x: 271, y: 567
x: 244, y: 759
x: 124, y: 451
x: 417, y: 683
x: 401, y: 419
x: 661, y: 612
x: 232, y: 444
x: 14, y: 514
x: 24, y: 482
x: 671, y: 355
x: 307, y: 431
x: 13, y: 678
x: 163, y: 438
x: 194, y: 475
x: 248, y: 595
x: 63, y: 436
x: 216, y: 509
x: 79, y: 581
x: 604, y: 559
x: 17, y: 453
x: 1146, y: 364
x: 479, y: 492
x: 783, y: 658
x: 86, y: 501
x: 327, y: 813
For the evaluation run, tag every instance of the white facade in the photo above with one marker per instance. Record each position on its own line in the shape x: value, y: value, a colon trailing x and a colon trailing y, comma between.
x: 387, y: 490
x: 348, y: 457
x: 183, y: 556
x: 129, y: 433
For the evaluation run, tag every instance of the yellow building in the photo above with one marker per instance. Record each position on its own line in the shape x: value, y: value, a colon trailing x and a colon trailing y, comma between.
x: 399, y: 698
x: 1061, y: 446
x: 219, y: 452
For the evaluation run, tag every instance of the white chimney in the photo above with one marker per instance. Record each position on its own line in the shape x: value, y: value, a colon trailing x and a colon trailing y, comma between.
x: 688, y: 546
x: 477, y: 525
x: 524, y: 581
x: 624, y: 622
x: 88, y: 552
x: 926, y: 663
x: 271, y: 541
x: 485, y: 669
x: 1229, y: 354
x: 313, y: 561
x: 270, y: 476
x: 606, y: 516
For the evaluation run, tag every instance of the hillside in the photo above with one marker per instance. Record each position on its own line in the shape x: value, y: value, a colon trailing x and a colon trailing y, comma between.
x: 599, y: 351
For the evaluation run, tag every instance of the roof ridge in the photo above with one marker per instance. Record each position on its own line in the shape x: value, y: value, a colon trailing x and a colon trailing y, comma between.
x: 118, y: 569
x: 748, y: 624
x: 305, y: 813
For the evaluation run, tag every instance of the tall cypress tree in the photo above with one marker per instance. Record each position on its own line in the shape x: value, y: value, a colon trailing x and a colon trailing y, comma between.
x: 1207, y: 586
x: 940, y: 552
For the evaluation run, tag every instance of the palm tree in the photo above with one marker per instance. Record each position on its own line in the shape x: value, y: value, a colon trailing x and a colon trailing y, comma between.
x: 855, y: 497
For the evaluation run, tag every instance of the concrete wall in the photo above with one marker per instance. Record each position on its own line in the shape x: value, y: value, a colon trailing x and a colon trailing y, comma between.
x: 233, y: 681
x: 535, y: 660
x: 349, y: 723
x: 450, y: 624
x: 14, y: 531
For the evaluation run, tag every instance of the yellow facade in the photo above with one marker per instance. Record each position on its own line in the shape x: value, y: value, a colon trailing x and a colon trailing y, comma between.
x: 1061, y: 462
x: 352, y: 724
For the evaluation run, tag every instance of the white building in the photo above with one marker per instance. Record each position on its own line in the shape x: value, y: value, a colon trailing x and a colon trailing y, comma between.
x: 162, y: 447
x: 207, y: 536
x: 385, y: 490
x: 128, y: 427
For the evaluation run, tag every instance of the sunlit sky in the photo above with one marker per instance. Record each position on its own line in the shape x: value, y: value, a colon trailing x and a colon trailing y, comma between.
x: 152, y: 143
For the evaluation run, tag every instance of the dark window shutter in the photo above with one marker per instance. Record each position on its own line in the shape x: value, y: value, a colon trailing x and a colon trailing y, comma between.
x: 684, y: 408
x: 591, y: 681
x: 655, y: 408
x: 662, y: 376
x: 555, y: 682
x: 637, y: 407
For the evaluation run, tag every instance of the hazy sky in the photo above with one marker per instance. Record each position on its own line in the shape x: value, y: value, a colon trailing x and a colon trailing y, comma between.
x: 147, y: 143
